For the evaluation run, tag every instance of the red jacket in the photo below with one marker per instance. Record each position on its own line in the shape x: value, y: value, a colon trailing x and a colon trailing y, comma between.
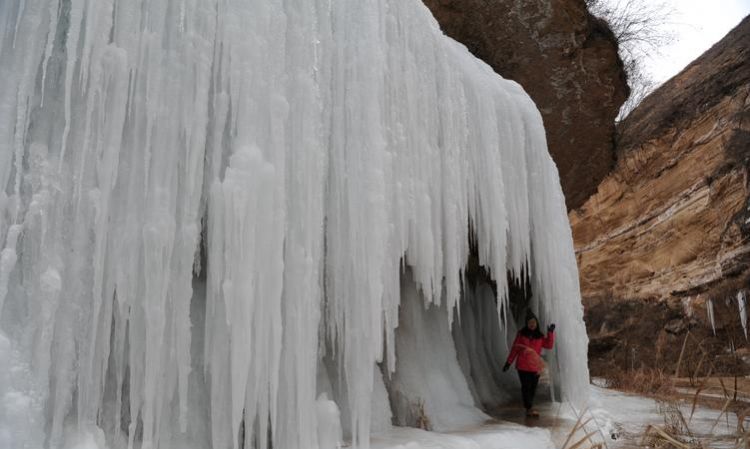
x: 529, y: 350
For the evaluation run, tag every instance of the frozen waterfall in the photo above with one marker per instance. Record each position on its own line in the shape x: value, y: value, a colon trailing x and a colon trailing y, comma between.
x: 208, y: 208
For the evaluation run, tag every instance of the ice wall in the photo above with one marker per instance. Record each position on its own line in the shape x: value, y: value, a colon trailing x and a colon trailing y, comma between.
x: 482, y: 343
x: 288, y: 157
x: 428, y: 388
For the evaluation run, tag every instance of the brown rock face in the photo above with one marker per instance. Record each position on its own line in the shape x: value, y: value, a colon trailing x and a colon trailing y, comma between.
x: 566, y: 60
x: 672, y: 220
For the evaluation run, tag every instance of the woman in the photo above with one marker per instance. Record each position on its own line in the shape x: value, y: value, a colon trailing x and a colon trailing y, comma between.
x: 526, y: 351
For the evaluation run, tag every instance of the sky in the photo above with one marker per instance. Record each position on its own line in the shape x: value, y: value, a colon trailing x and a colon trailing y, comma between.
x: 697, y: 25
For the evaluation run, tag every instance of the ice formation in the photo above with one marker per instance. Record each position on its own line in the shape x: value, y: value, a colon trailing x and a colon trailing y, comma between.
x: 207, y: 203
x: 710, y: 310
x: 742, y: 304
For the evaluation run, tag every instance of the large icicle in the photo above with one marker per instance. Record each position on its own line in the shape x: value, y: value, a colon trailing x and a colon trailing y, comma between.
x: 284, y: 159
x: 742, y: 305
x: 710, y: 311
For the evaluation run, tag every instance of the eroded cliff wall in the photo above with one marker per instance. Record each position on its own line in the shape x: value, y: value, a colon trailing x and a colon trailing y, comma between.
x: 671, y: 219
x: 669, y: 229
x: 566, y: 60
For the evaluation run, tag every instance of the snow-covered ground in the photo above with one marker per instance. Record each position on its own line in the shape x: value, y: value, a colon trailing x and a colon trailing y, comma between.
x: 491, y: 436
x: 619, y: 419
x: 627, y: 417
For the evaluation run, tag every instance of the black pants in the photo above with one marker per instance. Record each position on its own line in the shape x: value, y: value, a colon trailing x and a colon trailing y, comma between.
x: 529, y: 381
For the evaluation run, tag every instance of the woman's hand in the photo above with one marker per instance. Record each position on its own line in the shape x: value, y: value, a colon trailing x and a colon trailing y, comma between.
x: 506, y: 367
x: 551, y: 327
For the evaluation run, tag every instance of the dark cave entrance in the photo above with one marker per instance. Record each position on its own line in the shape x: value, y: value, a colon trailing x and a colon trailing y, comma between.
x: 458, y: 368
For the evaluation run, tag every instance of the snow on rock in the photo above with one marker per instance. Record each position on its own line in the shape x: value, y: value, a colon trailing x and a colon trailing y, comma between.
x: 205, y: 202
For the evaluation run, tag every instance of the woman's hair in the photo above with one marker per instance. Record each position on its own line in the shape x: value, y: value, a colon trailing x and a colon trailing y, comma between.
x: 528, y: 333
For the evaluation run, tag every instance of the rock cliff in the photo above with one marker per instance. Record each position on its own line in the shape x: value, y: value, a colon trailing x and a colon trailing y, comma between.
x: 669, y: 229
x: 672, y: 218
x: 566, y: 60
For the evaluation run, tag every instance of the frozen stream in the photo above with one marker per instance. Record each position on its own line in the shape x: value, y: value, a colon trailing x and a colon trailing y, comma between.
x: 622, y: 418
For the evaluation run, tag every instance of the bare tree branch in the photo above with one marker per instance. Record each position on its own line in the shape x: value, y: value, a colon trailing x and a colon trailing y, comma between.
x: 642, y: 28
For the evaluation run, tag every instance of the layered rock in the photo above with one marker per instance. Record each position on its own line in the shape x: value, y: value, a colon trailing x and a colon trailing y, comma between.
x: 668, y: 231
x: 566, y: 60
x: 672, y: 218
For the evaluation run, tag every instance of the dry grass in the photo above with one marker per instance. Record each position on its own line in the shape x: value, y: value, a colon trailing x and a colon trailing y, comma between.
x: 646, y: 381
x: 677, y: 432
x: 694, y: 369
x: 580, y: 436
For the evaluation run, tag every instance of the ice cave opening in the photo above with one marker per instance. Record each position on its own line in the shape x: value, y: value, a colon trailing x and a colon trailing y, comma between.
x: 450, y: 377
x: 447, y: 374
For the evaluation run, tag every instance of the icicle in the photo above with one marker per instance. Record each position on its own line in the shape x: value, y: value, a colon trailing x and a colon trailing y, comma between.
x: 743, y: 310
x: 54, y: 11
x: 71, y: 47
x: 710, y: 310
x: 19, y: 14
